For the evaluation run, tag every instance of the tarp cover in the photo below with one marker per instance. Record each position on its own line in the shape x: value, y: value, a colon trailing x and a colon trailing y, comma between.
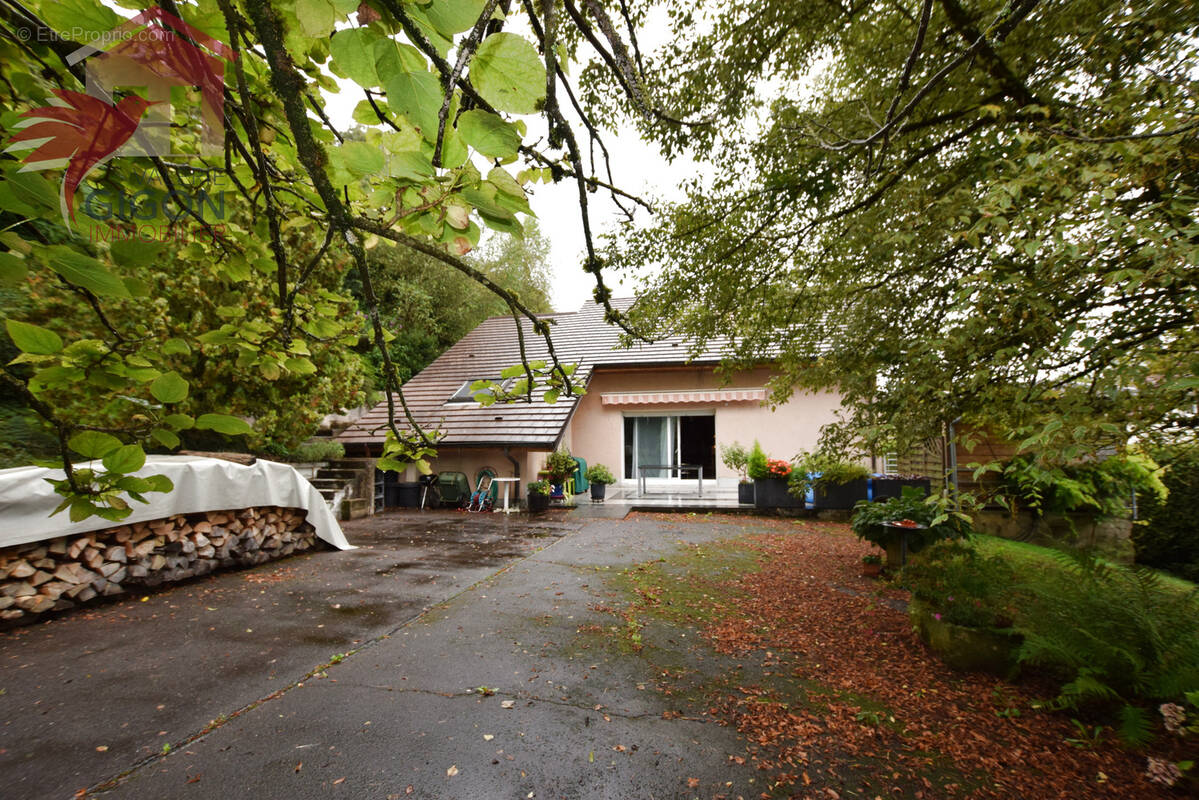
x: 201, y: 484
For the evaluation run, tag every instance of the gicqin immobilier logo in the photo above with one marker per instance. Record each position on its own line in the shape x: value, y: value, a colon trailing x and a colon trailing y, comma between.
x: 151, y: 53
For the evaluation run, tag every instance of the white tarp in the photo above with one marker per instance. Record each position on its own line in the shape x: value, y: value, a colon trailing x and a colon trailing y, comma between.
x: 201, y: 484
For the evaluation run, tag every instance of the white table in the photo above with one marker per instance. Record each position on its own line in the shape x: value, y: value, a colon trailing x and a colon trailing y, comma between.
x: 505, y: 482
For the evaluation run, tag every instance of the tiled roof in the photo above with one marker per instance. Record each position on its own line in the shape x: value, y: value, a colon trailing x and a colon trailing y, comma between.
x: 580, y: 337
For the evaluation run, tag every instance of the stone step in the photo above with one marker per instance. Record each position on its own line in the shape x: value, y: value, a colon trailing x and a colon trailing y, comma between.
x: 354, y: 507
x: 328, y: 483
x: 337, y: 474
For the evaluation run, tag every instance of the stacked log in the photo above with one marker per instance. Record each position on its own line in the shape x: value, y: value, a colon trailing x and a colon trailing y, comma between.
x: 61, y: 573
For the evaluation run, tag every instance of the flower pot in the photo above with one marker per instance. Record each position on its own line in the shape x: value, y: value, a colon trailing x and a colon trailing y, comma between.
x: 871, y: 570
x: 597, y: 492
x: 745, y: 493
x: 990, y: 650
x: 538, y: 502
x: 772, y: 493
x: 883, y: 488
x: 838, y: 495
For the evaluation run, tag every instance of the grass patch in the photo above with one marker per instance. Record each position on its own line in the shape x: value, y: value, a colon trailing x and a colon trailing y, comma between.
x: 1025, y: 555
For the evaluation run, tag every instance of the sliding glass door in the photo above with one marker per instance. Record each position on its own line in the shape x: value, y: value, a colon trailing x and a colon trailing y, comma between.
x: 669, y: 440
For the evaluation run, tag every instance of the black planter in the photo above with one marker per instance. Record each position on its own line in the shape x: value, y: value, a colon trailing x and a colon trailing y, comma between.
x: 772, y: 493
x: 538, y: 502
x: 745, y: 494
x: 597, y: 490
x: 883, y: 488
x: 838, y: 495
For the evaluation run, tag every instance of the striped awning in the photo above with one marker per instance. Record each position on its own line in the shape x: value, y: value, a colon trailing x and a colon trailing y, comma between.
x: 703, y: 396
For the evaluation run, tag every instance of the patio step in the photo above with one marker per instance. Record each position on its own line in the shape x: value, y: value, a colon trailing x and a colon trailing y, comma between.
x: 337, y: 473
x: 355, y: 507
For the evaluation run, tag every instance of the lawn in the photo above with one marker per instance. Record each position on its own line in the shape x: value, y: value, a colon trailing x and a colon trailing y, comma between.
x: 1025, y: 554
x: 775, y: 632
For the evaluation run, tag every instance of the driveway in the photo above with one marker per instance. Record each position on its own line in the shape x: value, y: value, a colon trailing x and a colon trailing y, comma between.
x: 442, y: 659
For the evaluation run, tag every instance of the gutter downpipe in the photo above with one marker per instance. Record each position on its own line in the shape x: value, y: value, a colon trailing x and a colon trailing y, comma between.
x: 515, y: 469
x: 953, y: 466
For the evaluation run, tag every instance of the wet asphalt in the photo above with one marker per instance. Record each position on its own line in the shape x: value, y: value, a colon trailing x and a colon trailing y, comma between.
x: 442, y: 659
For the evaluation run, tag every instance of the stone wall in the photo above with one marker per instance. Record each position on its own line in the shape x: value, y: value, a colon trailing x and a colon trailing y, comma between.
x: 61, y: 573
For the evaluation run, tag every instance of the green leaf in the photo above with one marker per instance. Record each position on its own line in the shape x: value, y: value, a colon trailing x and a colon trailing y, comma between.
x: 160, y: 483
x: 93, y: 444
x: 488, y: 134
x: 509, y: 74
x: 79, y: 17
x: 454, y: 16
x: 83, y: 270
x: 410, y: 165
x: 135, y: 253
x: 223, y: 423
x: 417, y: 96
x: 165, y: 438
x: 361, y: 159
x: 354, y: 55
x: 12, y: 269
x: 128, y: 458
x: 316, y: 17
x: 33, y: 338
x: 179, y: 422
x: 299, y: 366
x: 172, y: 347
x: 169, y: 388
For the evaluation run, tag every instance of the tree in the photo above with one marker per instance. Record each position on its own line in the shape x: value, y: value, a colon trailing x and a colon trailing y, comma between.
x: 980, y: 210
x: 428, y: 306
x: 444, y: 154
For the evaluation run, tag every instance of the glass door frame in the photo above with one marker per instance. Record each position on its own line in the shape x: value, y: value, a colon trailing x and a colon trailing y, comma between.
x: 674, y: 431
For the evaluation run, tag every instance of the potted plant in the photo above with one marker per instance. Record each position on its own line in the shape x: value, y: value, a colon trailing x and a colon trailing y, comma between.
x: 559, y: 467
x: 886, y: 486
x: 834, y: 482
x: 539, y: 496
x: 872, y: 565
x: 770, y: 476
x: 736, y: 458
x: 934, y: 521
x: 961, y: 607
x: 599, y: 477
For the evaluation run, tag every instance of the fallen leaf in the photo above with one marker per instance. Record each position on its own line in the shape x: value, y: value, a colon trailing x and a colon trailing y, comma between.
x: 452, y: 771
x: 300, y: 764
x: 693, y: 783
x: 339, y: 780
x: 101, y: 748
x: 508, y: 704
x: 487, y: 737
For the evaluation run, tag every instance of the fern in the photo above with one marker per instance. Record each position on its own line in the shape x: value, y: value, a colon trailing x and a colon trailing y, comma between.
x: 1114, y: 636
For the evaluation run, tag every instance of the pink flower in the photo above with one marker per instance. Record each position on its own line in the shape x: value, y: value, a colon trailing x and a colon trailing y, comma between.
x: 937, y: 617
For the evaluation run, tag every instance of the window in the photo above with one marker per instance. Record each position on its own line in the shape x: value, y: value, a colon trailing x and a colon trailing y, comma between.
x: 466, y: 395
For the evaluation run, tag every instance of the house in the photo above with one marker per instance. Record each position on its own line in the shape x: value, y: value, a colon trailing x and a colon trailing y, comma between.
x: 649, y: 404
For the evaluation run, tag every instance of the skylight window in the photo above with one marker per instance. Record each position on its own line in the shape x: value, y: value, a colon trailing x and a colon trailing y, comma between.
x: 466, y: 395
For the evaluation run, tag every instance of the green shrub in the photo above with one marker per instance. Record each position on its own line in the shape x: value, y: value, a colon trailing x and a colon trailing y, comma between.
x: 560, y: 465
x: 1103, y: 487
x: 1115, y: 636
x: 310, y: 451
x: 539, y: 487
x: 962, y: 586
x: 934, y: 511
x: 598, y: 473
x: 756, y: 465
x: 816, y: 469
x: 735, y: 457
x: 1169, y: 536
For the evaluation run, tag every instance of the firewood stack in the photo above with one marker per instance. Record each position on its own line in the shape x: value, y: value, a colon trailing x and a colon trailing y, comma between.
x: 56, y: 574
